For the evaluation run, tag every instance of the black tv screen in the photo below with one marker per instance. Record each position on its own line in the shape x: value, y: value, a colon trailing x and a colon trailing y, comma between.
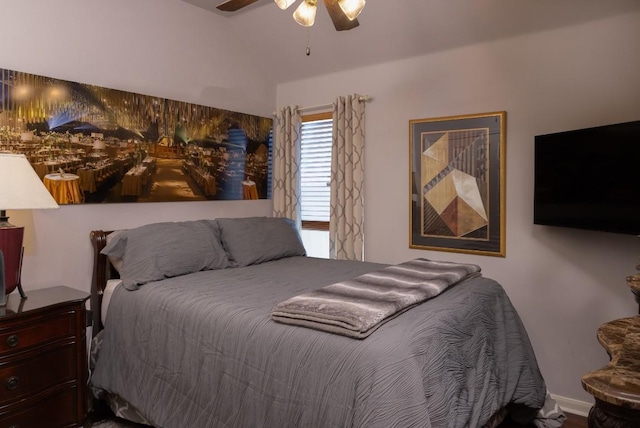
x: 589, y: 179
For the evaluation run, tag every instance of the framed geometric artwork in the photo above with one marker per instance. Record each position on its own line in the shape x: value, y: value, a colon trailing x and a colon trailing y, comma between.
x: 91, y: 144
x: 457, y: 184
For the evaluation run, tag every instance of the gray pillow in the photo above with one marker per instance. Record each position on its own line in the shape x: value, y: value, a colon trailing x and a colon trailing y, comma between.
x: 254, y: 240
x: 163, y: 250
x: 116, y: 262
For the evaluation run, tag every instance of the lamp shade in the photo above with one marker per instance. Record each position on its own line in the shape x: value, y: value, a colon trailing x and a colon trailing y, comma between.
x: 352, y: 8
x: 305, y: 14
x: 20, y: 186
x: 20, y: 189
x: 284, y: 4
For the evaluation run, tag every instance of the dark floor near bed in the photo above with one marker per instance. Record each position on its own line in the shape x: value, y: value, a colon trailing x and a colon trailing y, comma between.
x: 114, y: 423
x: 573, y: 421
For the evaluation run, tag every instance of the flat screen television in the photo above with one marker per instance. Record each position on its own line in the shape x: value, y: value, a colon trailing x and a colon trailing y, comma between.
x: 589, y: 179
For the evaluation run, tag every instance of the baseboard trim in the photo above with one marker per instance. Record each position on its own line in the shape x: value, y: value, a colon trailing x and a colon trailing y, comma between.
x: 569, y: 405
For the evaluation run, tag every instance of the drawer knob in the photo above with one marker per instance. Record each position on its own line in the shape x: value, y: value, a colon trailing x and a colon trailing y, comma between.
x: 12, y: 340
x: 12, y: 383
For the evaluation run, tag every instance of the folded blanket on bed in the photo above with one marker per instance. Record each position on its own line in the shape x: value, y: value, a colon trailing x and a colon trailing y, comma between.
x: 357, y: 307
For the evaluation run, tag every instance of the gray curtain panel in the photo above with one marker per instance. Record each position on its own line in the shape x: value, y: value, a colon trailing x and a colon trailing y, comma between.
x: 286, y: 164
x: 346, y: 225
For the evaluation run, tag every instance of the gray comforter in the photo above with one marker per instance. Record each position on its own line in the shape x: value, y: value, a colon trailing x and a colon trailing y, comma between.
x: 201, y: 351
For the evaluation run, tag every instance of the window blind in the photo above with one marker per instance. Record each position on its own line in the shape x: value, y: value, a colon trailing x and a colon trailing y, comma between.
x: 315, y: 170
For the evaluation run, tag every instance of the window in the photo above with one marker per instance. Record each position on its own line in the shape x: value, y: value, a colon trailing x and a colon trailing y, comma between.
x: 315, y: 170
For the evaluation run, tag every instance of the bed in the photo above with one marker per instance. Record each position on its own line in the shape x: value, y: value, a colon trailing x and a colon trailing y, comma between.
x: 187, y: 339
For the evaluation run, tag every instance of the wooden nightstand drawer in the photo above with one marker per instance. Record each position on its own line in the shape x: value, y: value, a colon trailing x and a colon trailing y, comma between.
x: 58, y: 410
x: 26, y: 377
x: 22, y: 335
x: 43, y: 359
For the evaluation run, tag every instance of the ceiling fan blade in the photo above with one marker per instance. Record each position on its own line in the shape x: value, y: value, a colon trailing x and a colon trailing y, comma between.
x: 233, y: 5
x: 340, y: 20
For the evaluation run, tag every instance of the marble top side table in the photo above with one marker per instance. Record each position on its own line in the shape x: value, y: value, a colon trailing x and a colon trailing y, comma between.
x: 634, y: 284
x: 616, y: 386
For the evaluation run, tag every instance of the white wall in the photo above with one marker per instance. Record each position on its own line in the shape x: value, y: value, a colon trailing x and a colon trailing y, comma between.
x: 564, y: 283
x: 174, y: 51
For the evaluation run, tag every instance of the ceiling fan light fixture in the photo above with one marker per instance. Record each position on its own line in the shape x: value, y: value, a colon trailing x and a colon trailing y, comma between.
x: 284, y: 4
x: 352, y: 8
x: 305, y: 14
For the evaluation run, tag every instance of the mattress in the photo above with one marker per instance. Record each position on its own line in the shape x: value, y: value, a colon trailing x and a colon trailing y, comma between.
x: 106, y: 297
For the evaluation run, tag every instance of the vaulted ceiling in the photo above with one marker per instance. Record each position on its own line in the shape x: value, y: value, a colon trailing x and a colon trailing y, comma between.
x: 393, y: 29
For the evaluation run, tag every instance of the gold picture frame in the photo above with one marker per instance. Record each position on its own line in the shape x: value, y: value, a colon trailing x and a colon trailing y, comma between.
x: 457, y: 170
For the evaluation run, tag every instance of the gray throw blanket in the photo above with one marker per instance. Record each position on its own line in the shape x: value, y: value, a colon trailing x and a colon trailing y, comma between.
x: 357, y: 307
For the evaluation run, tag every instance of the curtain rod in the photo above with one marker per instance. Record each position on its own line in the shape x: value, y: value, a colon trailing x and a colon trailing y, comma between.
x: 318, y: 107
x: 361, y: 98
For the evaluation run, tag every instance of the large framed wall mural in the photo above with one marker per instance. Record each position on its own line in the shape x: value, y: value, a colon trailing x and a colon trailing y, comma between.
x: 457, y: 184
x: 91, y: 144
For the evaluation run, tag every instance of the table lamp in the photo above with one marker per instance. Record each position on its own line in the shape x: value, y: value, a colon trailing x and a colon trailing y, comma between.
x: 20, y: 189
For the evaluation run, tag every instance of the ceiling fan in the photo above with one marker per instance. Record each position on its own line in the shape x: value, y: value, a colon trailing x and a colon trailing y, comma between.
x: 343, y: 13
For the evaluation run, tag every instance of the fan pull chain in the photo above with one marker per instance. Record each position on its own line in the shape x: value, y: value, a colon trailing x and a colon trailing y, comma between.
x: 308, y: 44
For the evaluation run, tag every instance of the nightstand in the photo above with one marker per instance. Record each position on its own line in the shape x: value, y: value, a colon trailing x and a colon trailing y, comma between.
x: 43, y: 359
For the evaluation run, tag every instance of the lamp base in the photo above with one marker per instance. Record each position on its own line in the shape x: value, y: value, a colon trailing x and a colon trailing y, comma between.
x: 19, y: 286
x: 11, y: 247
x: 3, y: 296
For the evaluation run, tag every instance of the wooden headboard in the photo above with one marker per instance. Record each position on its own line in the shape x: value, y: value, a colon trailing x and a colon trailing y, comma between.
x: 102, y: 271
